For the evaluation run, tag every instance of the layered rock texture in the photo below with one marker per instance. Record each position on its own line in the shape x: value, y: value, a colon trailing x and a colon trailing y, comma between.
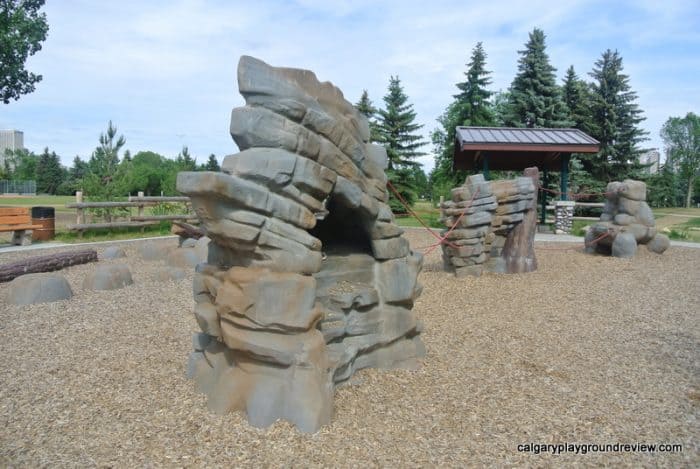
x: 308, y: 278
x: 626, y: 222
x: 491, y: 225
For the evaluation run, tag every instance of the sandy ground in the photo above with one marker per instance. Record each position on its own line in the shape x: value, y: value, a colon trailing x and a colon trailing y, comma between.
x: 587, y: 349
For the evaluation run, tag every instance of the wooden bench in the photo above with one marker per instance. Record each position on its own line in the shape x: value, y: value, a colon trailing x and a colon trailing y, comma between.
x: 17, y: 220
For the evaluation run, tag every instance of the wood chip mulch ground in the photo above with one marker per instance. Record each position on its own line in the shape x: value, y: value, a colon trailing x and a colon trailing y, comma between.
x: 586, y: 350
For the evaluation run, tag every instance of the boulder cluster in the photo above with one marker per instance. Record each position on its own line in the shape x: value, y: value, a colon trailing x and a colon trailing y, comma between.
x: 49, y: 287
x: 626, y: 222
x: 308, y: 278
x: 491, y: 225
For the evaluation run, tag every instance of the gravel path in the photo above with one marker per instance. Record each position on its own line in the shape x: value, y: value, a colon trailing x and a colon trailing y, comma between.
x: 585, y: 350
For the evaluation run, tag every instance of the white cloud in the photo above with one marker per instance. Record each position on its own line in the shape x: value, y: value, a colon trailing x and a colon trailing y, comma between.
x: 165, y: 71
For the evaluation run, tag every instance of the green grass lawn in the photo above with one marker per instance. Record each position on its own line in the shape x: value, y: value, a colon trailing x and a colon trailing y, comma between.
x: 58, y: 202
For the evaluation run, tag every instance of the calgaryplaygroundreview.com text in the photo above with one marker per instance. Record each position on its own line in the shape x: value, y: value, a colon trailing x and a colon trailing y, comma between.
x: 584, y: 448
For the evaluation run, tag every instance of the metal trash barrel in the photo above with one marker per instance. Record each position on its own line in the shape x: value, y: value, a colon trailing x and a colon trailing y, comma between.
x: 46, y: 218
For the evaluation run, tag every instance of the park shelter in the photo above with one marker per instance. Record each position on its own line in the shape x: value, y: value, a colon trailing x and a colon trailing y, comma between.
x: 514, y: 149
x: 517, y: 148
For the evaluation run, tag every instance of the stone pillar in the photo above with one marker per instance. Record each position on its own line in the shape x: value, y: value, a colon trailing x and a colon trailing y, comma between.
x: 563, y: 216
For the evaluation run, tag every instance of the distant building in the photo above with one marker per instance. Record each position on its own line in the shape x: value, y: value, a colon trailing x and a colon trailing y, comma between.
x: 651, y: 157
x: 10, y: 140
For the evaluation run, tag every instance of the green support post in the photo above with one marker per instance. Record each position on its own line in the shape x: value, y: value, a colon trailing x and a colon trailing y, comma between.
x: 545, y: 180
x: 565, y: 176
x: 485, y: 168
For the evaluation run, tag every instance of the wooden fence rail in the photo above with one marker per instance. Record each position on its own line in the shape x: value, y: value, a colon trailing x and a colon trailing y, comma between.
x: 141, y: 220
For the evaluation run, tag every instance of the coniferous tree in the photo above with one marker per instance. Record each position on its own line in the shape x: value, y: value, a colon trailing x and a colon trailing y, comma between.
x: 535, y: 99
x: 366, y: 107
x: 212, y: 164
x: 472, y: 107
x: 615, y: 122
x: 49, y: 173
x: 105, y: 159
x: 396, y: 131
x: 185, y: 161
x: 577, y: 98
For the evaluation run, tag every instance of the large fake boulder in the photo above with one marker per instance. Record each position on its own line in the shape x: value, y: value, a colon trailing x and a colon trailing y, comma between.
x: 113, y: 252
x: 491, y: 226
x: 153, y: 251
x: 108, y: 277
x: 183, y: 258
x: 307, y: 278
x: 626, y: 220
x: 38, y: 288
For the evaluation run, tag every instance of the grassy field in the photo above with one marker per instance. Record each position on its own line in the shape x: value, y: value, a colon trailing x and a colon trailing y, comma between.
x: 66, y: 216
x: 58, y: 202
x: 678, y: 223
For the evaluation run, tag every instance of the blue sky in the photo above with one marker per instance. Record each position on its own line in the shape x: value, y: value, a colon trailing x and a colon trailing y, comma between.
x: 165, y: 71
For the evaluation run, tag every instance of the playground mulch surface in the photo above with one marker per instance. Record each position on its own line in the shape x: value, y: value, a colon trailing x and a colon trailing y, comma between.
x: 586, y: 350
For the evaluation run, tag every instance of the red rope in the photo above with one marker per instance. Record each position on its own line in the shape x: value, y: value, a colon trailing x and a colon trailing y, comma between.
x: 454, y: 225
x: 441, y: 239
x: 410, y: 211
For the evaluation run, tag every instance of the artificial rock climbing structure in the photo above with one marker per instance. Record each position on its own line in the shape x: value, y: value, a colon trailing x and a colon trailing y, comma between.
x: 626, y: 221
x: 308, y: 278
x: 491, y: 225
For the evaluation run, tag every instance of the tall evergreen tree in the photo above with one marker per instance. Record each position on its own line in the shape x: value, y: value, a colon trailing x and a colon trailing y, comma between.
x: 474, y: 106
x: 185, y: 161
x: 471, y: 106
x: 396, y: 131
x: 535, y: 99
x: 577, y: 98
x: 212, y: 164
x: 366, y: 107
x: 105, y: 159
x: 615, y: 122
x: 49, y: 173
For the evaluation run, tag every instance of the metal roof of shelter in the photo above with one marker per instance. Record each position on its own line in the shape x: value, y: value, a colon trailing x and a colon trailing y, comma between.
x: 513, y: 149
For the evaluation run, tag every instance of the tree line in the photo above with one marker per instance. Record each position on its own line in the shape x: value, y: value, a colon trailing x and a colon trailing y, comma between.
x: 604, y: 107
x: 106, y: 174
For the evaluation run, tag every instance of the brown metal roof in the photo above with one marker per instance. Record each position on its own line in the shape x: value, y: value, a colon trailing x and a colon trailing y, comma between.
x: 509, y: 148
x: 509, y: 135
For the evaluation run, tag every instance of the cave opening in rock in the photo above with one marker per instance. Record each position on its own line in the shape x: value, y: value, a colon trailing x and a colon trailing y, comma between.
x: 343, y: 231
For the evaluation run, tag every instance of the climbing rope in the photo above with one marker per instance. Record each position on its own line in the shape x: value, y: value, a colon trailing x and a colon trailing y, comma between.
x: 441, y: 239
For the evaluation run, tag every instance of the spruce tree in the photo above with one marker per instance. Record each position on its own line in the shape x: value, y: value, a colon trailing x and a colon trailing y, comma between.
x: 212, y: 164
x: 366, y: 107
x: 535, y: 99
x: 577, y: 98
x: 49, y: 174
x: 472, y: 107
x: 105, y: 159
x: 396, y: 131
x: 615, y: 122
x: 184, y: 160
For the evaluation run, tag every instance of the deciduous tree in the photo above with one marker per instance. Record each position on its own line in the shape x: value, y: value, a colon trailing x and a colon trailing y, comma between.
x: 682, y: 138
x: 22, y: 30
